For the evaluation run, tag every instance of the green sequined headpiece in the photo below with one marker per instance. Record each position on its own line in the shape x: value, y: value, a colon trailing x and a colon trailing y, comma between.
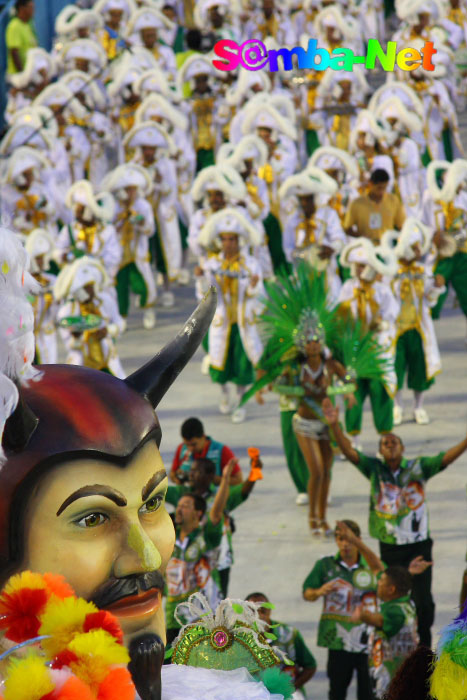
x: 232, y: 637
x: 309, y: 328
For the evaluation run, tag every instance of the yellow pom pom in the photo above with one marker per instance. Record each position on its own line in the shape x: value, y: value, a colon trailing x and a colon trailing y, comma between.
x: 97, y: 651
x: 27, y: 679
x: 5, y: 267
x: 449, y: 680
x: 63, y: 620
x: 26, y: 579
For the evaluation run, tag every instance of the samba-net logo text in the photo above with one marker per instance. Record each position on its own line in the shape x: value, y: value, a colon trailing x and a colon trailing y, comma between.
x: 254, y: 55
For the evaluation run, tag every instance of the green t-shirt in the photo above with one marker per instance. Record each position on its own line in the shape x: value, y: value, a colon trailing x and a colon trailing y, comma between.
x: 191, y: 566
x: 235, y: 499
x: 398, y: 511
x: 292, y: 643
x: 393, y: 643
x: 355, y: 586
x: 19, y: 35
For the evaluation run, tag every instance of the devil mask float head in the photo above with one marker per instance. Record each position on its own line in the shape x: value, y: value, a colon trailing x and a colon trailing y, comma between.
x: 82, y: 490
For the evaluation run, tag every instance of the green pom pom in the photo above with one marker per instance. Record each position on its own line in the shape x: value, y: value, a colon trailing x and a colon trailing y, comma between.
x: 277, y: 682
x: 237, y: 608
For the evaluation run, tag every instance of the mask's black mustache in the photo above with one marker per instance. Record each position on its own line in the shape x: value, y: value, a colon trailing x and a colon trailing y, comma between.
x: 115, y: 589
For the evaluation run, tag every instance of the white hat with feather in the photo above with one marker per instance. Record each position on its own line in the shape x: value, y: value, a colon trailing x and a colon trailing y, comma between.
x: 455, y: 174
x: 39, y: 243
x: 149, y: 134
x: 242, y: 88
x: 310, y: 181
x: 222, y: 177
x: 128, y: 175
x: 159, y: 106
x: 72, y: 18
x: 81, y: 272
x: 25, y: 158
x: 264, y: 115
x: 86, y: 49
x: 331, y: 158
x: 413, y: 232
x: 37, y: 59
x: 361, y: 251
x: 101, y: 205
x: 228, y: 220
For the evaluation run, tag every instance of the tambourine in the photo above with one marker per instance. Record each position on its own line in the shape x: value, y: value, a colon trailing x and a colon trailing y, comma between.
x: 80, y: 324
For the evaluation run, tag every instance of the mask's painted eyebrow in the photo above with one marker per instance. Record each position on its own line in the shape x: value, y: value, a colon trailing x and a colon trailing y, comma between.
x: 95, y: 490
x: 154, y: 481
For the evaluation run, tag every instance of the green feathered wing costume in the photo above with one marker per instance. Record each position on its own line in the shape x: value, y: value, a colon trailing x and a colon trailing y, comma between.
x: 297, y: 309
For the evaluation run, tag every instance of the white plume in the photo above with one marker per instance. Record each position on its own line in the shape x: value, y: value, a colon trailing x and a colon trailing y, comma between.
x: 17, y: 344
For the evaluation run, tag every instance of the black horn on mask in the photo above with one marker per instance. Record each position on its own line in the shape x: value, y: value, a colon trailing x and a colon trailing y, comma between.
x: 154, y: 379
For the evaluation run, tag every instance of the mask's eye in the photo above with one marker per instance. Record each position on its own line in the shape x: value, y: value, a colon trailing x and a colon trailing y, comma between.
x: 92, y: 520
x: 153, y: 504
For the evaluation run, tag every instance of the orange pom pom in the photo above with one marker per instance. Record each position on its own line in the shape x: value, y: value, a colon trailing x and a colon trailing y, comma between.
x: 106, y: 621
x: 20, y: 613
x: 117, y: 685
x: 74, y: 689
x: 57, y: 585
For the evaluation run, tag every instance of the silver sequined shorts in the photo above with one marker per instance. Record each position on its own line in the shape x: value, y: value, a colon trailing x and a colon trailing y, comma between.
x: 310, y: 427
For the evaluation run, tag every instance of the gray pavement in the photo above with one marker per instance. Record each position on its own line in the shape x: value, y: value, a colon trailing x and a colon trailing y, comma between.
x: 274, y: 550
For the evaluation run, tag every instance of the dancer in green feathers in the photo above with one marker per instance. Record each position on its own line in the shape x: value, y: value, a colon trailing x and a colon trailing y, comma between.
x: 311, y: 354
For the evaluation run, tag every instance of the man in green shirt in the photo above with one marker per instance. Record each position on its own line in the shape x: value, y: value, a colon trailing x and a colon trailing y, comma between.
x: 20, y: 36
x: 398, y: 512
x: 394, y: 636
x: 344, y: 581
x: 201, y: 481
x: 291, y: 642
x: 192, y: 566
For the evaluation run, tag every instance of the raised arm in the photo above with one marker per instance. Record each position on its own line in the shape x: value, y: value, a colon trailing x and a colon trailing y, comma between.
x: 454, y: 452
x: 220, y: 501
x: 374, y: 562
x: 331, y: 414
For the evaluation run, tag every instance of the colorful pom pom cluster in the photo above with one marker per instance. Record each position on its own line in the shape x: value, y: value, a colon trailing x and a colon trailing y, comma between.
x: 78, y: 652
x: 449, y: 677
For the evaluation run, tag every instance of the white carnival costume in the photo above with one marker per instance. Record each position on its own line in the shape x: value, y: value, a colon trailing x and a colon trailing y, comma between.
x: 304, y: 237
x: 163, y: 199
x: 95, y: 235
x: 372, y: 302
x: 134, y: 223
x: 234, y: 342
x: 93, y: 346
x: 416, y: 288
x: 40, y: 247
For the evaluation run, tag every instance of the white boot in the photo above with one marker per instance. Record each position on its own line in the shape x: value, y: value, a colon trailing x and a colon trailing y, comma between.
x: 149, y: 319
x: 167, y: 300
x: 205, y: 364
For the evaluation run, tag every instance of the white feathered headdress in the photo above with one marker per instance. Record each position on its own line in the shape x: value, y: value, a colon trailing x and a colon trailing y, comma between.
x: 36, y: 59
x: 221, y: 177
x: 160, y: 106
x: 238, y: 92
x: 79, y: 273
x: 17, y: 344
x: 249, y: 147
x: 102, y: 205
x: 404, y: 92
x: 413, y: 231
x: 128, y: 175
x: 454, y: 174
x: 361, y: 250
x: 228, y: 220
x: 310, y: 181
x: 331, y: 158
x: 39, y: 242
x: 265, y: 115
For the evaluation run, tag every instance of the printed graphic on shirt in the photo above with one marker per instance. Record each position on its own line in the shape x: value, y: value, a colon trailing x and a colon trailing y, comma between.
x: 388, y: 653
x: 407, y: 509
